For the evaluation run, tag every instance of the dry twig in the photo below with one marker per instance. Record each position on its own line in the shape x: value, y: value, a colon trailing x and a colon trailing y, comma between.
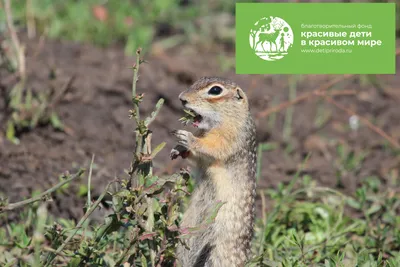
x: 317, y: 92
x: 18, y: 48
x: 41, y: 196
x: 369, y: 124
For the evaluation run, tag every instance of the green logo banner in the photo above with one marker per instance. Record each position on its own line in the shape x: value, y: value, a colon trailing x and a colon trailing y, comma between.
x: 315, y: 38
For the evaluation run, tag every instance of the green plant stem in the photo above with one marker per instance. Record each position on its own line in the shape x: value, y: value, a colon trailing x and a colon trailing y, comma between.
x: 287, y: 130
x: 38, y: 236
x: 80, y: 223
x: 18, y: 49
x: 259, y: 162
x: 154, y: 114
x: 297, y: 175
x: 16, y: 205
x: 136, y: 115
x: 272, y: 116
x: 135, y: 78
x: 89, y: 197
x: 126, y: 251
x: 134, y: 82
x: 149, y: 228
x: 30, y: 19
x: 143, y: 136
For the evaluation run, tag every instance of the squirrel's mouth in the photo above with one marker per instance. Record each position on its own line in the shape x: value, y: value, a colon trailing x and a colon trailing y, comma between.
x: 197, y: 119
x: 205, y: 120
x: 193, y: 117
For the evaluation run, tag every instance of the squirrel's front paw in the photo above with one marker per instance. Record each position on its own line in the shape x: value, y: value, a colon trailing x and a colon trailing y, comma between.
x: 174, y: 153
x: 185, y: 138
x: 179, y: 151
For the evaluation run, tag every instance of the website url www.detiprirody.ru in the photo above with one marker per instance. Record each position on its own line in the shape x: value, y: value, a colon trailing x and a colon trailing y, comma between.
x: 327, y: 51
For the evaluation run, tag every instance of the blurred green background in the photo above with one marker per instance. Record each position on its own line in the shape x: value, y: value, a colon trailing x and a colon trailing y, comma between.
x: 130, y: 23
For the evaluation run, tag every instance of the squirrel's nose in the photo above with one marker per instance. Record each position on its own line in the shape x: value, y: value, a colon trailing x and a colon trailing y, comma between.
x: 183, y: 99
x: 184, y: 102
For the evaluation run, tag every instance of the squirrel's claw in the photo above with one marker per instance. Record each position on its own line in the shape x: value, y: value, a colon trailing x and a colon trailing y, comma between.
x: 184, y: 137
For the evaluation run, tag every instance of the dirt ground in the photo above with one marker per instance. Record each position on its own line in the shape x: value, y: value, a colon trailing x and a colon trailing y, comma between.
x: 95, y: 112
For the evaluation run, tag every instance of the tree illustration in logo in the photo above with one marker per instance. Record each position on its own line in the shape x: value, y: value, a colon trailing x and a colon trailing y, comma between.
x: 270, y: 38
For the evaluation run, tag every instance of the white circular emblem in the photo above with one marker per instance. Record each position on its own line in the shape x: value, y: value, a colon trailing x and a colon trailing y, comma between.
x: 271, y: 38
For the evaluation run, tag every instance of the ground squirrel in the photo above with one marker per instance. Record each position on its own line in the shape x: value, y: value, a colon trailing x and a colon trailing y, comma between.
x: 223, y: 151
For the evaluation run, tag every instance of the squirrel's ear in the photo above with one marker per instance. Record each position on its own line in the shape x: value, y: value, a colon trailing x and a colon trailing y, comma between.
x: 239, y: 94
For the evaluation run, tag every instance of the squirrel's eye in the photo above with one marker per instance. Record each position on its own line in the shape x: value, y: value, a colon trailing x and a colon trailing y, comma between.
x: 215, y: 90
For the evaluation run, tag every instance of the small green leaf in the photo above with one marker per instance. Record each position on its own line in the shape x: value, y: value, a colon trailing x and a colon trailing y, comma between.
x: 28, y: 99
x: 150, y: 215
x: 188, y: 117
x: 25, y: 240
x: 214, y: 212
x: 158, y: 149
x: 56, y: 122
x: 143, y: 260
x: 353, y: 203
x: 375, y: 208
x: 11, y: 133
x: 150, y: 180
x: 83, y: 189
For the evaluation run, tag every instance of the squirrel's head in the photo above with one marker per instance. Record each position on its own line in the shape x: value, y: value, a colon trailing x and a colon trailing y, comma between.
x: 215, y: 101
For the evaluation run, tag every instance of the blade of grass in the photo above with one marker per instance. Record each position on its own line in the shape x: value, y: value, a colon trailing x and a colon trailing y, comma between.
x: 260, y: 149
x: 89, y: 197
x: 287, y: 128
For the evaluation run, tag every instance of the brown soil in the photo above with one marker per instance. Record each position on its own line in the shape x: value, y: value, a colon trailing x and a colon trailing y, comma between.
x: 95, y: 112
